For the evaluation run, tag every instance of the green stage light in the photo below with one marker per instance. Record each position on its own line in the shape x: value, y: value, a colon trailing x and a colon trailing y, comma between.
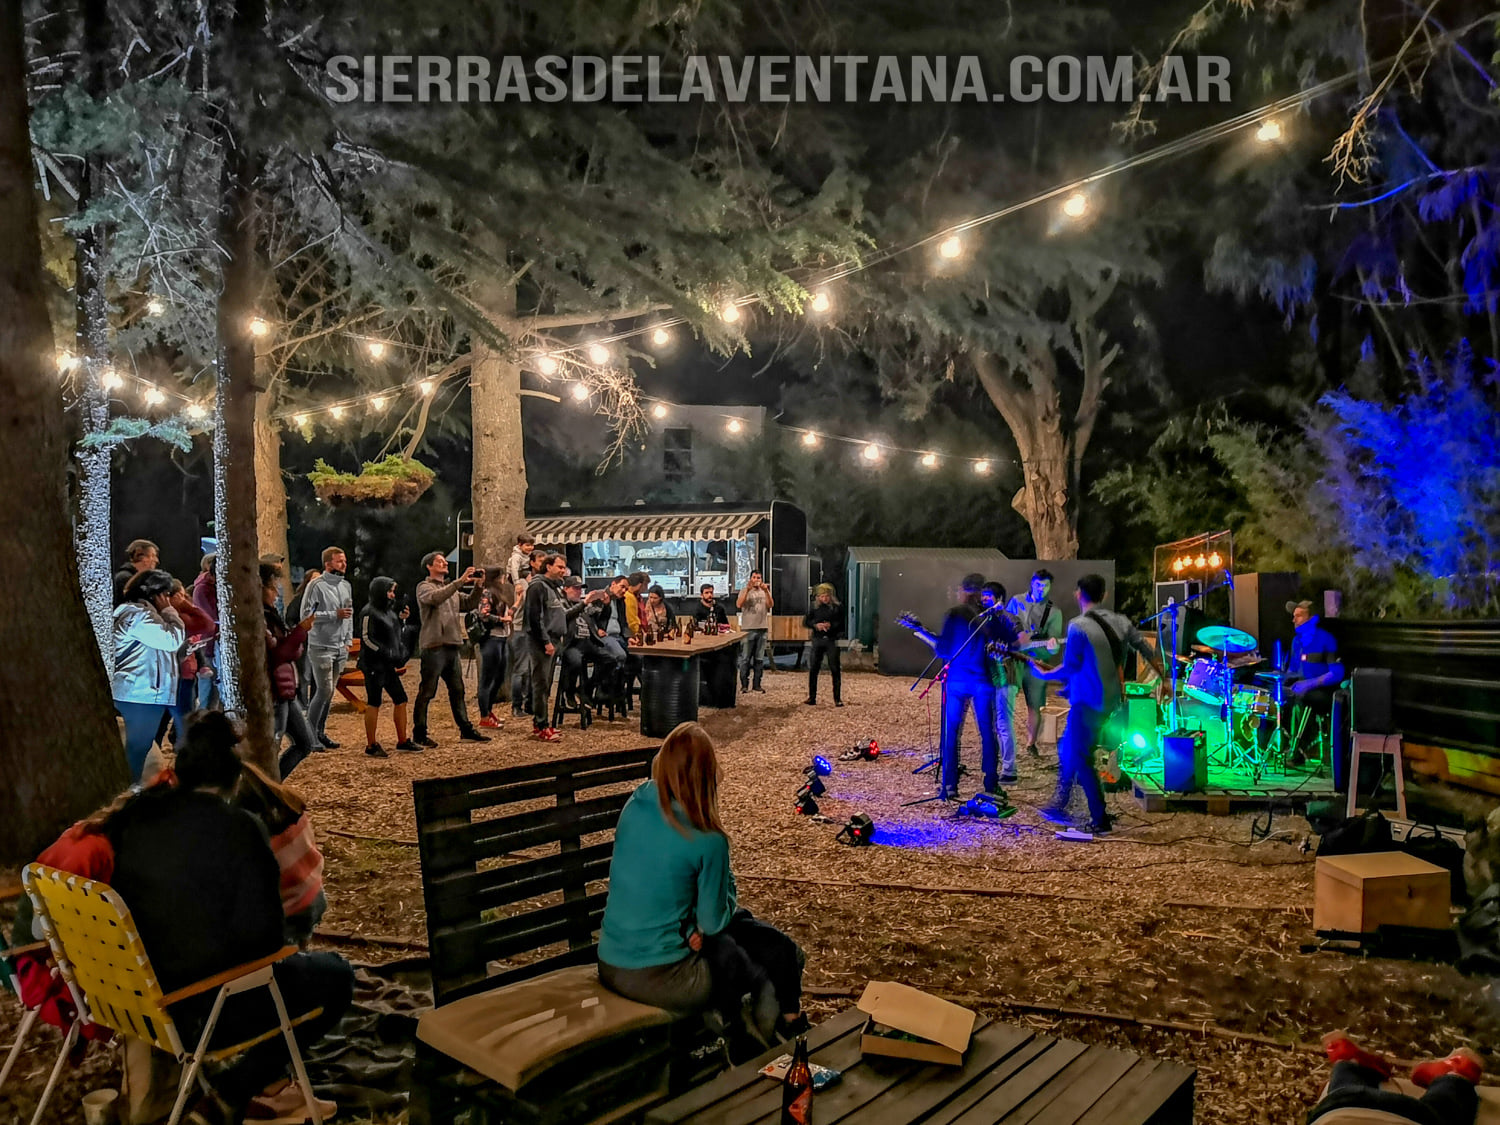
x: 1138, y: 740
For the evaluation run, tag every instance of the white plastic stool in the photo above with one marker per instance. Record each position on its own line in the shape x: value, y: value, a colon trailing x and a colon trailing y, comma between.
x: 1376, y: 744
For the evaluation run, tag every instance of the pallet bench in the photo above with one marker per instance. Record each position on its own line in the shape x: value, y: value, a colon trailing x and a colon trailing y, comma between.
x: 515, y: 864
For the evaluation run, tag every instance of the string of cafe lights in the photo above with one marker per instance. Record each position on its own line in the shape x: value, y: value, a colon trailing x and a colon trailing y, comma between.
x: 949, y: 243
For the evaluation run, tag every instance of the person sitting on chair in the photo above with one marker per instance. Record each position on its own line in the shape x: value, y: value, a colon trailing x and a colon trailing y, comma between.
x: 1354, y: 1095
x: 674, y: 935
x: 1314, y: 671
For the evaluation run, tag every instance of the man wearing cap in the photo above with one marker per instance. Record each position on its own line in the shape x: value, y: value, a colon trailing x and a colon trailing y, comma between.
x: 1315, y: 670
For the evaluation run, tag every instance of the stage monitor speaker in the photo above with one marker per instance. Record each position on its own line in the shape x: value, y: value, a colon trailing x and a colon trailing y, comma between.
x: 1370, y: 701
x: 1184, y: 762
x: 1259, y: 608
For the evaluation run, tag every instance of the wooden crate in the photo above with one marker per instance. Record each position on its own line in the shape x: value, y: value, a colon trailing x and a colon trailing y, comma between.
x: 1358, y: 893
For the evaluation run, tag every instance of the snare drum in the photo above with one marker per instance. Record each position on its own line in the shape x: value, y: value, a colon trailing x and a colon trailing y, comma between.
x: 1252, y: 700
x: 1205, y: 680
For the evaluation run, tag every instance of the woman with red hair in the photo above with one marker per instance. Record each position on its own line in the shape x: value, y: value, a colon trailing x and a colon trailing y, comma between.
x: 674, y: 935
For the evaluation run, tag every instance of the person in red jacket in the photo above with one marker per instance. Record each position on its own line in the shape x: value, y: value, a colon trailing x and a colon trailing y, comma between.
x: 201, y: 631
x: 283, y: 646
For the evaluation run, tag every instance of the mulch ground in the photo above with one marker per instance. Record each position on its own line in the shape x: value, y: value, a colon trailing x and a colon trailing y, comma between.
x: 1177, y: 936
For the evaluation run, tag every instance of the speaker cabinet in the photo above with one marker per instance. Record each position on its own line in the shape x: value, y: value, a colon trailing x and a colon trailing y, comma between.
x: 1184, y: 762
x: 1370, y: 701
x: 1188, y: 620
x: 1259, y: 608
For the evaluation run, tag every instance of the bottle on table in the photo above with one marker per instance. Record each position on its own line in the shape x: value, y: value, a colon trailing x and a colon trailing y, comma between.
x: 797, y: 1088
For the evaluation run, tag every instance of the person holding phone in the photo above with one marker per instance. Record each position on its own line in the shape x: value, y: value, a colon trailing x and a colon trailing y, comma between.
x: 755, y: 605
x: 442, y: 605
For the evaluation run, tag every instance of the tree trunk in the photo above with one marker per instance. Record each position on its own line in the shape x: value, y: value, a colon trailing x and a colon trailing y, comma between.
x: 270, y: 490
x: 60, y: 752
x: 95, y: 517
x: 499, y: 472
x: 241, y: 607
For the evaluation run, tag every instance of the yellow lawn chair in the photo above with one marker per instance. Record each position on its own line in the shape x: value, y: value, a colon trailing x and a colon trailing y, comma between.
x: 99, y: 953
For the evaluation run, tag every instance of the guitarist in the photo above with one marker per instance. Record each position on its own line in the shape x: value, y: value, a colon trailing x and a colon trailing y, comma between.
x: 969, y: 683
x: 1093, y: 666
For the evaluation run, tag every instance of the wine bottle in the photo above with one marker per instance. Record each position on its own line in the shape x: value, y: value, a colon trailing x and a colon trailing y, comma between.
x: 797, y: 1088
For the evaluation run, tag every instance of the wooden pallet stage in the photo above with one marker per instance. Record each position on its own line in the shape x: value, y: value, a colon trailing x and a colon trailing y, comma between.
x: 1230, y: 790
x: 1010, y: 1075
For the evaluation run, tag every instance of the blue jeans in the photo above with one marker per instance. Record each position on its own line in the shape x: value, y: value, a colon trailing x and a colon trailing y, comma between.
x: 327, y: 666
x: 491, y: 672
x: 142, y: 721
x: 290, y: 718
x: 1448, y: 1101
x: 1075, y: 761
x: 957, y: 695
x: 1005, y: 717
x: 752, y: 655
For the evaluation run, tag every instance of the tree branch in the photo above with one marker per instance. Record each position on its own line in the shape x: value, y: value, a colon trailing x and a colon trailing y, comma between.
x: 544, y: 323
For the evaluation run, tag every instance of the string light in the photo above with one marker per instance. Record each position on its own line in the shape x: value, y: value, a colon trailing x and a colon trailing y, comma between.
x: 110, y: 380
x: 66, y: 361
x: 810, y: 439
x: 299, y: 420
x: 871, y: 452
x: 196, y: 410
x: 981, y: 467
x: 376, y: 349
x: 425, y: 387
x: 929, y: 461
x: 546, y: 364
x: 154, y: 397
x: 820, y: 302
x: 1269, y: 131
x: 1075, y: 205
x: 336, y: 411
x: 730, y: 313
x: 659, y: 411
x: 580, y: 392
x: 378, y: 402
x: 1215, y: 559
x: 259, y: 327
x: 1202, y: 562
x: 661, y: 337
x: 1176, y: 566
x: 156, y: 306
x: 951, y: 247
x: 734, y: 425
x: 598, y: 354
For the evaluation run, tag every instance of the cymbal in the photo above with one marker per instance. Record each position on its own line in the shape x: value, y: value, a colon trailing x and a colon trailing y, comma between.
x: 1272, y: 675
x: 1223, y: 639
x: 1246, y: 660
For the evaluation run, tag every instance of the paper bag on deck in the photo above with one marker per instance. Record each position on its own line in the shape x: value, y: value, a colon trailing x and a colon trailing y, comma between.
x: 906, y: 1023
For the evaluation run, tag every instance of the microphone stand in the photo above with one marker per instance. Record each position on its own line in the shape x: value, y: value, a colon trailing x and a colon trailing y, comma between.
x: 1174, y: 611
x: 941, y: 677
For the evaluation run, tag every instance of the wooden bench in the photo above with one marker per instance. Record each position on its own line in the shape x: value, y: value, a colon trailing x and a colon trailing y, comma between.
x: 352, y: 678
x: 515, y: 864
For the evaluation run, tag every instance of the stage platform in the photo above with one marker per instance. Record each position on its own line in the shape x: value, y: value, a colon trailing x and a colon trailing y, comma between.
x: 1229, y: 790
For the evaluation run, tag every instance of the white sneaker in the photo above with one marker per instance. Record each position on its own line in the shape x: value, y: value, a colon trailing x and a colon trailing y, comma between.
x: 286, y: 1106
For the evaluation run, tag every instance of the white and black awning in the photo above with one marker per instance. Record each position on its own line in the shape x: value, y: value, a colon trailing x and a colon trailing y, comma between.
x: 699, y: 526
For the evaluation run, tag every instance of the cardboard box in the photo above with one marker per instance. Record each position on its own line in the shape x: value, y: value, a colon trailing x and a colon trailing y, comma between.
x: 906, y: 1023
x: 1358, y: 893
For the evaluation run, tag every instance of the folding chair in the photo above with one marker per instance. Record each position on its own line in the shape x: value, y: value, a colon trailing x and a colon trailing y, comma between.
x: 29, y: 1019
x: 100, y: 955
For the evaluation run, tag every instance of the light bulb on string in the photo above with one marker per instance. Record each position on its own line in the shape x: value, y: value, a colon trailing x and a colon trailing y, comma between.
x: 730, y: 313
x: 378, y: 402
x: 981, y: 467
x: 810, y: 439
x: 734, y: 425
x: 659, y: 411
x: 1201, y: 562
x: 546, y: 364
x: 1215, y: 559
x: 259, y: 326
x: 156, y: 306
x: 154, y: 397
x: 598, y: 354
x: 661, y: 337
x: 1269, y: 131
x: 299, y: 420
x: 871, y: 452
x: 110, y: 379
x: 1176, y: 566
x: 951, y: 247
x: 376, y: 348
x: 425, y: 387
x: 196, y: 410
x: 336, y: 412
x: 66, y: 361
x: 1076, y: 205
x: 820, y: 302
x: 580, y: 392
x: 928, y: 460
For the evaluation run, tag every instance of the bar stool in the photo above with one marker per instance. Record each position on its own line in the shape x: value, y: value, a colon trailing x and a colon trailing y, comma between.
x: 1376, y: 744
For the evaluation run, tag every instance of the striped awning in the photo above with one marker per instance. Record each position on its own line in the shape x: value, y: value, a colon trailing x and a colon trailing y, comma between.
x: 708, y: 526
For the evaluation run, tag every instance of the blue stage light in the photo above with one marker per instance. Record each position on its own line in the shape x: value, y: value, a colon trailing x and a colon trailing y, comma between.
x: 822, y: 765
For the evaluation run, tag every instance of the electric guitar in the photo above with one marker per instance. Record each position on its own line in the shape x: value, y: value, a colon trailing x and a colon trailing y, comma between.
x: 999, y: 651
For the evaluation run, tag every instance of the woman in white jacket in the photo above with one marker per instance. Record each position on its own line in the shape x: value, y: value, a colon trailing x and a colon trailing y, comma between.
x: 148, y: 635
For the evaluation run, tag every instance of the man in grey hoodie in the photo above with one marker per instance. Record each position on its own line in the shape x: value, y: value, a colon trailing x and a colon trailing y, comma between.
x: 330, y: 603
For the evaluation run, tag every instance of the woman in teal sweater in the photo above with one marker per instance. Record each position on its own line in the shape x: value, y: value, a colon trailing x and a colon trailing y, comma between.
x: 674, y: 935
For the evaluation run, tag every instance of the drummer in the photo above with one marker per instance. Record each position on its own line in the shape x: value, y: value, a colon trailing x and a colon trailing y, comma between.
x: 1315, y: 670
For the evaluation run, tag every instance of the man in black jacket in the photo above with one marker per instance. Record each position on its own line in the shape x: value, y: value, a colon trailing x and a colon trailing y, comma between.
x: 585, y: 643
x: 708, y: 613
x: 544, y: 617
x: 826, y: 620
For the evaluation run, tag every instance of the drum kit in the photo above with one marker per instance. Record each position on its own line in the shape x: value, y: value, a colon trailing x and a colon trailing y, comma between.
x: 1245, y: 718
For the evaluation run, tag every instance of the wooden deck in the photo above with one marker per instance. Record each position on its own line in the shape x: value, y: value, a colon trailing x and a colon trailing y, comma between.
x: 1010, y: 1074
x: 1229, y: 791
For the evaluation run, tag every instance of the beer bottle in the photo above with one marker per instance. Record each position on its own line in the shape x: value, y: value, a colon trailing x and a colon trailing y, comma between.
x: 797, y: 1088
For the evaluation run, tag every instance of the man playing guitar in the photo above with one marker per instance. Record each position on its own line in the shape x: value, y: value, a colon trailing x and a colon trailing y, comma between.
x: 1093, y: 663
x: 968, y: 683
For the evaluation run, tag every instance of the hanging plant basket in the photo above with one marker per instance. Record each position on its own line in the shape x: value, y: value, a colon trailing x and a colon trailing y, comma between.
x: 391, y: 483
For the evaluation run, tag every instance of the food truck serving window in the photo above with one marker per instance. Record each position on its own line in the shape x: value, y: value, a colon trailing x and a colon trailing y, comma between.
x: 679, y: 566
